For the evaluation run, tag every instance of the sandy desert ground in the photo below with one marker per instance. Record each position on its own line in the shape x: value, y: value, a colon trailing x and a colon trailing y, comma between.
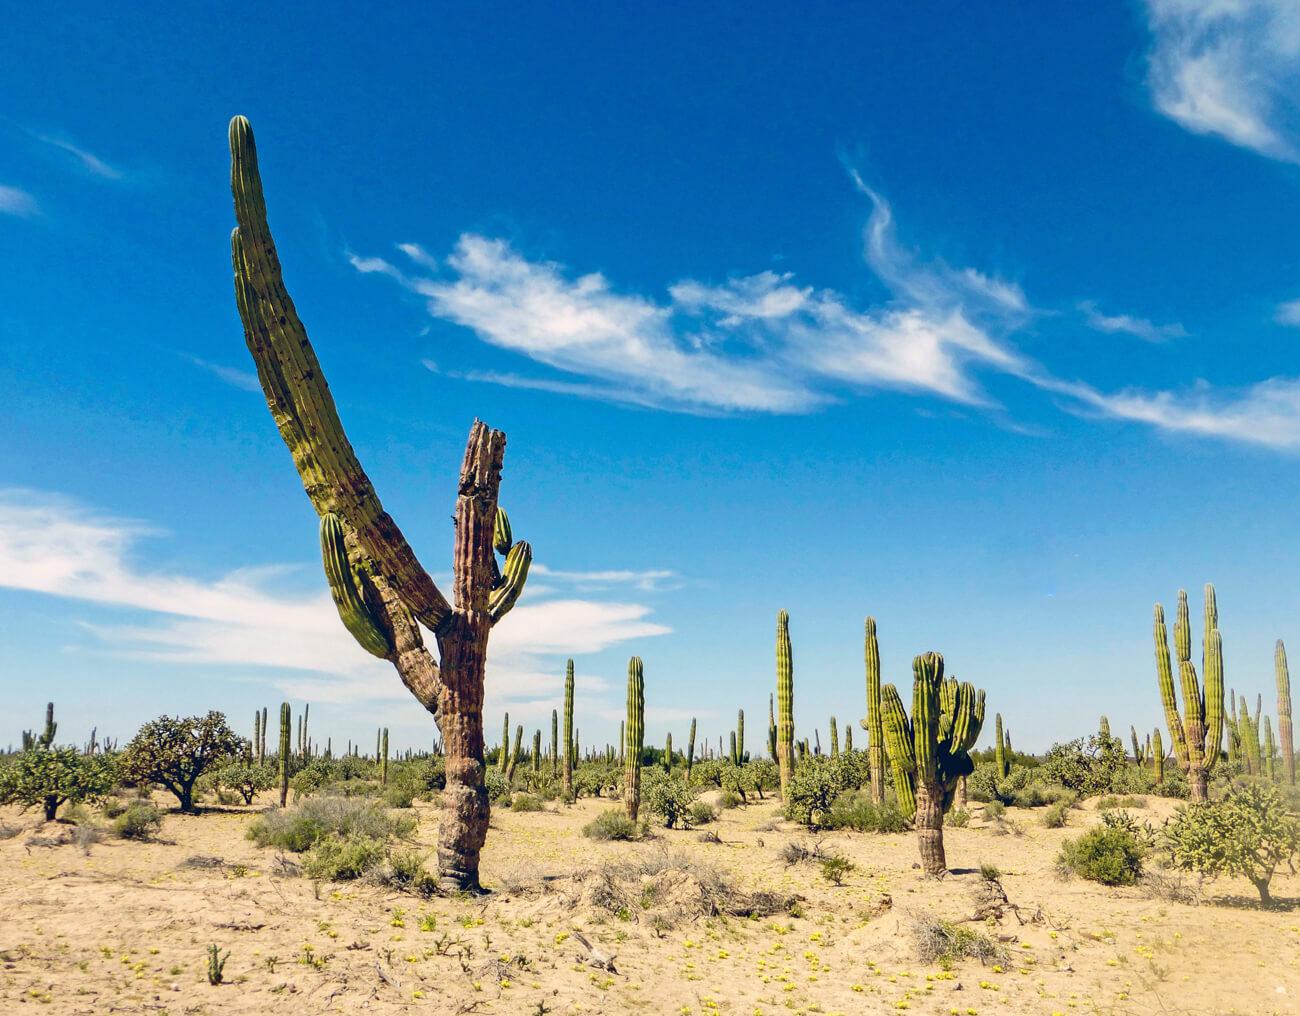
x: 125, y: 928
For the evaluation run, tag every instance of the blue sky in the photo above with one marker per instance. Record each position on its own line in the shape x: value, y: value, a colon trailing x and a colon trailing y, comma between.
x: 982, y: 322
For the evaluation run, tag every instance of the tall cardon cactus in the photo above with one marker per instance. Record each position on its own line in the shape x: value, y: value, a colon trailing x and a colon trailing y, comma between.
x: 931, y: 752
x: 873, y: 723
x: 1197, y: 735
x: 383, y: 758
x: 690, y: 749
x: 835, y: 739
x: 784, y: 703
x: 568, y: 763
x: 1284, y: 732
x: 999, y: 747
x: 286, y: 718
x: 635, y: 737
x: 740, y: 737
x: 383, y: 578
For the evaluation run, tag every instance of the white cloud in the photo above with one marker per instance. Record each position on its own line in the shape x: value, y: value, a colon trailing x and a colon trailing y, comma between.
x: 649, y: 580
x: 88, y: 160
x: 1129, y: 325
x: 236, y: 378
x: 57, y: 547
x: 14, y: 201
x: 1229, y: 68
x: 1288, y: 313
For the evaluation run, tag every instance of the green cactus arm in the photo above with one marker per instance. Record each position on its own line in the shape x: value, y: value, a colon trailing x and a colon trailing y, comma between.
x: 1165, y: 679
x: 1182, y: 629
x: 898, y: 744
x: 1284, y: 729
x: 502, y: 538
x: 298, y: 395
x: 513, y: 577
x: 1193, y: 713
x: 344, y: 588
x: 927, y: 673
x: 1213, y: 696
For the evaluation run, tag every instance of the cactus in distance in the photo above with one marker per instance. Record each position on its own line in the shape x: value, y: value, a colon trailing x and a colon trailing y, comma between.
x: 568, y: 731
x: 785, y: 703
x: 1284, y: 729
x: 634, y: 738
x: 873, y: 724
x: 1197, y: 735
x: 286, y: 715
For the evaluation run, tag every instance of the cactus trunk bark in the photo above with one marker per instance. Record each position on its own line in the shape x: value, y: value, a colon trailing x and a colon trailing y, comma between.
x: 929, y: 827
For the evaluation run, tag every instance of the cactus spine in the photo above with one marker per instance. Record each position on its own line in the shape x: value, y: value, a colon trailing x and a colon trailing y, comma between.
x: 873, y: 724
x: 1284, y: 730
x: 785, y: 703
x: 1198, y: 734
x: 930, y: 753
x: 383, y: 759
x: 999, y: 747
x: 635, y: 737
x: 835, y: 739
x: 690, y: 749
x: 285, y: 719
x: 567, y: 766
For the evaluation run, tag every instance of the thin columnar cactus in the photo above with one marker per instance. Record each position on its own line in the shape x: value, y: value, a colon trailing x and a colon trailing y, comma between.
x: 873, y: 724
x: 622, y: 742
x: 1270, y: 749
x: 1284, y: 731
x: 848, y: 737
x: 555, y: 743
x: 635, y: 737
x: 383, y: 759
x: 668, y: 753
x: 306, y: 739
x: 740, y: 737
x: 261, y: 752
x: 731, y: 754
x: 568, y: 731
x: 785, y: 703
x: 771, y: 726
x: 690, y: 749
x: 1198, y: 734
x: 537, y: 753
x: 1157, y: 757
x: 505, y: 744
x: 1137, y: 745
x: 999, y: 747
x: 285, y: 720
x: 931, y: 752
x: 514, y: 754
x: 257, y: 736
x: 397, y: 592
x: 835, y: 739
x: 1234, y: 729
x: 817, y: 741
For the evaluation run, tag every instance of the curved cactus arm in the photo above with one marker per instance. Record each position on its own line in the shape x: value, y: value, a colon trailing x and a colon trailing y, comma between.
x: 299, y: 397
x: 502, y: 538
x: 899, y: 747
x: 513, y: 577
x: 1165, y: 678
x: 346, y: 591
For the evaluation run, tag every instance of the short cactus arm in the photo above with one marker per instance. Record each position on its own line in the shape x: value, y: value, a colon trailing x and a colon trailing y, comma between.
x: 299, y: 397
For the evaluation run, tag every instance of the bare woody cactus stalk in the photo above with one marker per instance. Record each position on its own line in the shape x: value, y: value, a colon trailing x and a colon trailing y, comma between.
x: 383, y: 578
x: 1198, y: 734
x: 873, y: 724
x: 784, y: 703
x: 931, y: 753
x: 1284, y: 733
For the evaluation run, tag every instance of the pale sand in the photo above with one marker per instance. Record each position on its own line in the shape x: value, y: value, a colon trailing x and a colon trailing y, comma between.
x: 125, y: 930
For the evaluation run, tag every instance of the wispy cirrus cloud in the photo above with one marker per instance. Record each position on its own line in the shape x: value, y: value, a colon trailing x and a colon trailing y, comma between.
x: 59, y: 547
x: 87, y: 160
x: 1127, y: 324
x: 17, y: 202
x: 245, y: 380
x: 1229, y: 68
x: 1288, y: 313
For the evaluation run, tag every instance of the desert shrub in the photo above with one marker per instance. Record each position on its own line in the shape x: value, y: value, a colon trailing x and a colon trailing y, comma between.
x: 994, y: 809
x: 246, y: 778
x: 706, y: 773
x: 1107, y: 854
x: 667, y: 797
x: 764, y: 775
x: 815, y: 785
x: 958, y: 818
x: 353, y: 767
x: 737, y: 781
x: 339, y: 859
x: 312, y: 778
x: 857, y: 811
x: 138, y: 821
x: 836, y: 868
x: 405, y: 870
x: 612, y: 825
x: 945, y: 943
x: 495, y: 782
x: 1247, y: 833
x: 591, y: 780
x: 398, y: 795
x: 50, y: 777
x: 299, y: 828
x: 701, y: 813
x: 1055, y: 815
x: 524, y: 801
x: 1088, y: 767
x: 1111, y: 801
x: 112, y: 806
x: 174, y: 752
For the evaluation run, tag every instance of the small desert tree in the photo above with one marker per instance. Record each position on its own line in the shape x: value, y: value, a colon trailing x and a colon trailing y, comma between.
x: 246, y: 778
x: 1247, y: 833
x: 175, y: 752
x: 49, y: 777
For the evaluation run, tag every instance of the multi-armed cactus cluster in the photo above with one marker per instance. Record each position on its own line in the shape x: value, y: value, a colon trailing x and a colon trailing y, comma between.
x: 1198, y: 734
x: 634, y: 737
x: 384, y: 595
x: 931, y: 752
x: 45, y: 739
x: 784, y: 703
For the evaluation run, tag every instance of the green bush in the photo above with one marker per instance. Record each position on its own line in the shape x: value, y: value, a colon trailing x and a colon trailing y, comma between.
x: 495, y: 782
x: 299, y: 828
x: 338, y: 859
x: 406, y: 870
x: 994, y: 809
x: 1248, y: 833
x: 815, y: 785
x: 612, y: 825
x: 174, y: 752
x: 49, y: 777
x: 524, y: 801
x: 246, y: 778
x: 958, y: 818
x: 1094, y: 766
x: 1107, y: 854
x: 836, y: 868
x: 1055, y: 815
x: 666, y: 796
x: 139, y: 821
x: 857, y: 811
x: 702, y: 813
